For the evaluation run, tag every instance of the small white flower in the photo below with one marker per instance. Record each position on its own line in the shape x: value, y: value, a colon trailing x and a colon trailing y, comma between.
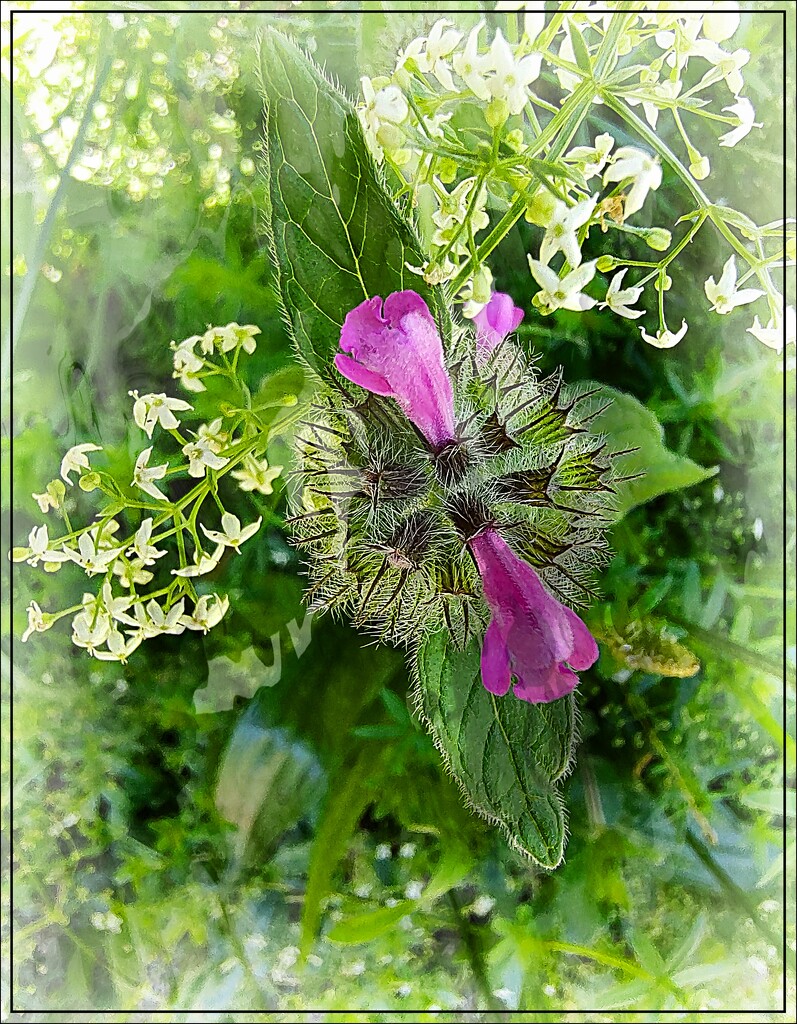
x: 777, y: 332
x: 592, y: 159
x: 619, y: 299
x: 45, y: 501
x: 561, y: 234
x: 723, y: 295
x: 38, y: 621
x: 187, y: 364
x: 638, y: 166
x: 76, y: 460
x: 665, y: 338
x: 208, y: 612
x: 431, y: 58
x: 119, y: 649
x: 384, y: 109
x: 472, y: 67
x: 246, y: 336
x: 453, y: 206
x: 721, y: 25
x: 726, y: 65
x: 659, y: 95
x: 113, y: 606
x: 51, y: 497
x: 153, y: 621
x: 564, y: 293
x: 512, y: 77
x: 200, y: 457
x: 151, y: 409
x: 567, y: 80
x: 202, y: 563
x: 144, y: 474
x: 256, y: 475
x: 407, y: 850
x: 213, y: 435
x: 222, y: 338
x: 142, y: 549
x: 743, y: 109
x: 90, y: 557
x: 39, y: 548
x: 103, y: 535
x: 383, y: 852
x: 131, y: 572
x: 90, y: 630
x: 233, y: 536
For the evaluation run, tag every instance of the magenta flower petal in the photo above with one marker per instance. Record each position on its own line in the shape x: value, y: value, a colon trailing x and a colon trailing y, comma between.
x: 585, y: 649
x: 494, y: 322
x: 559, y: 682
x: 531, y: 636
x: 359, y: 374
x: 496, y: 671
x: 394, y: 348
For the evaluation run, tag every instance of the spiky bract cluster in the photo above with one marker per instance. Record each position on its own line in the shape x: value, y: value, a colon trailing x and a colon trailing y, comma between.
x: 384, y: 518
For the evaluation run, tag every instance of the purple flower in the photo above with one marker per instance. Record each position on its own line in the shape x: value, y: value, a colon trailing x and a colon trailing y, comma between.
x: 397, y: 351
x: 497, y: 319
x: 531, y: 636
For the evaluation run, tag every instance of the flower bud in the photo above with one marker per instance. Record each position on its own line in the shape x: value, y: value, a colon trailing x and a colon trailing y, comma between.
x: 540, y: 208
x: 700, y: 167
x: 659, y: 239
x: 447, y: 170
x: 606, y: 263
x: 56, y: 490
x: 389, y: 136
x: 89, y: 481
x: 515, y: 140
x: 496, y: 113
x: 482, y: 285
x: 663, y: 283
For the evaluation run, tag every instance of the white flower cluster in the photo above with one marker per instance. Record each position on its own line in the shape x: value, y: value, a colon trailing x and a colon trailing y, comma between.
x: 113, y: 621
x: 633, y: 173
x: 505, y: 155
x: 190, y: 367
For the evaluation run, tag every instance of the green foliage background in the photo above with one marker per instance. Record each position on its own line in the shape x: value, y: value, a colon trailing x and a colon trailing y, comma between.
x: 304, y: 849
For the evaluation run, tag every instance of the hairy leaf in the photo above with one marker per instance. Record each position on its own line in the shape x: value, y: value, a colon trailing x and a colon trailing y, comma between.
x: 629, y: 425
x: 507, y: 755
x: 336, y: 235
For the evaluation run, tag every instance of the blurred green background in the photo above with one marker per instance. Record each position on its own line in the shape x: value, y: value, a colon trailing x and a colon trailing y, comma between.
x: 301, y: 848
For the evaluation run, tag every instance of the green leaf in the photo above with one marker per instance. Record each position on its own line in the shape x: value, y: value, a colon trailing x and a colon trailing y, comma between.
x: 349, y: 795
x: 629, y: 425
x: 335, y: 233
x: 580, y: 49
x: 370, y: 925
x: 266, y: 783
x: 505, y: 754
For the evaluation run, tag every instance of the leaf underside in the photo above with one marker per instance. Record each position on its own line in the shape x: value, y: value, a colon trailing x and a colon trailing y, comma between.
x: 506, y: 755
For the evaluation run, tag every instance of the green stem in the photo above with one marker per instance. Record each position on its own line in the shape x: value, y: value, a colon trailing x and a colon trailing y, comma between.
x: 739, y: 896
x: 561, y: 127
x: 704, y: 203
x: 475, y: 955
